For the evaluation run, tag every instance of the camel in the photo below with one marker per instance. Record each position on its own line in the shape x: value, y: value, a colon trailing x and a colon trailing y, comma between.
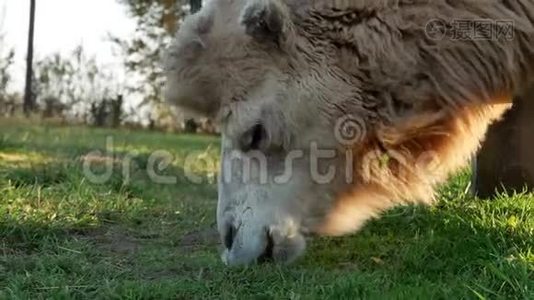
x: 334, y: 111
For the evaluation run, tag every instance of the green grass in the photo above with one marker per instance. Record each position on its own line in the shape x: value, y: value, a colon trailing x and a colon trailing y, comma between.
x: 63, y: 237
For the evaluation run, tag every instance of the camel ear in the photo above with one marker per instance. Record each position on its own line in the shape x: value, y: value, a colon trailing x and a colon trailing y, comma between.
x: 263, y: 20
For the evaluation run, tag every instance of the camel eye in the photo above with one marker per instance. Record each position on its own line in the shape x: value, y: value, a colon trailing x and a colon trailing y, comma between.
x: 253, y: 139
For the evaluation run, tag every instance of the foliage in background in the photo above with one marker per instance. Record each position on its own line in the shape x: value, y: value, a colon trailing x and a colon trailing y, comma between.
x: 7, y: 55
x: 6, y: 61
x: 72, y: 85
x: 143, y: 53
x: 108, y: 112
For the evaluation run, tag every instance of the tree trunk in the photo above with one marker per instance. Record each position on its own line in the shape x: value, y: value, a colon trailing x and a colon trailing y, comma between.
x: 29, y: 102
x: 506, y: 160
x: 195, y: 5
x: 169, y: 16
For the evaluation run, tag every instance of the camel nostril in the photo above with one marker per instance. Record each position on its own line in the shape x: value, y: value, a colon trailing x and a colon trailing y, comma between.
x: 267, y: 254
x: 253, y: 139
x: 229, y: 237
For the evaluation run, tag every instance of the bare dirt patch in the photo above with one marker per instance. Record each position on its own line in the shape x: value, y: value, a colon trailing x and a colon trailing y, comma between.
x: 199, y: 238
x: 112, y: 239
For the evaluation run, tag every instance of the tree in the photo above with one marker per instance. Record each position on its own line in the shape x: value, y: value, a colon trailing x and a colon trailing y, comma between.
x: 195, y: 5
x: 28, y: 95
x: 7, y: 55
x: 73, y: 84
x: 143, y: 54
x: 6, y: 61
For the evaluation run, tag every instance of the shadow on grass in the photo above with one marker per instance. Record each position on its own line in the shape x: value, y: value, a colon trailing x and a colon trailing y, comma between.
x: 421, y: 239
x: 417, y: 238
x: 41, y: 176
x: 165, y: 232
x: 408, y: 247
x: 55, y: 200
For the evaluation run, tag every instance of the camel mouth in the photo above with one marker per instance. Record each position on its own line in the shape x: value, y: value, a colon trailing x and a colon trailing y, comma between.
x: 229, y: 236
x: 267, y: 255
x: 249, y: 246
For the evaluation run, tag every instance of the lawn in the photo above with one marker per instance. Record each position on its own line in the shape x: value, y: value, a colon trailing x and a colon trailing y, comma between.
x: 65, y: 236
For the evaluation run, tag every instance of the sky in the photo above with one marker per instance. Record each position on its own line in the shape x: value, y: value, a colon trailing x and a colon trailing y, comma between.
x: 62, y: 25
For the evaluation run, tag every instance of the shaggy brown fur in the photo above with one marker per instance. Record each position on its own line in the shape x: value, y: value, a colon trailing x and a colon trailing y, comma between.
x: 426, y: 103
x: 432, y: 100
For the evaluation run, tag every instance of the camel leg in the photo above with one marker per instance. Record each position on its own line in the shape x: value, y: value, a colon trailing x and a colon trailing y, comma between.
x: 506, y: 160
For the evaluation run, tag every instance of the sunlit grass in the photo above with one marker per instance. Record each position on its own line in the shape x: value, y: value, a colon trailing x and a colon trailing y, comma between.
x: 10, y: 159
x: 63, y: 236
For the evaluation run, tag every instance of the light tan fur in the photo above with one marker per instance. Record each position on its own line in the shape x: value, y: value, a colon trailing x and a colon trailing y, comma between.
x: 414, y: 167
x: 425, y: 102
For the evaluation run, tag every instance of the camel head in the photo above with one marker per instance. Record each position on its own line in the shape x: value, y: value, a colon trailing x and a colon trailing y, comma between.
x: 329, y: 115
